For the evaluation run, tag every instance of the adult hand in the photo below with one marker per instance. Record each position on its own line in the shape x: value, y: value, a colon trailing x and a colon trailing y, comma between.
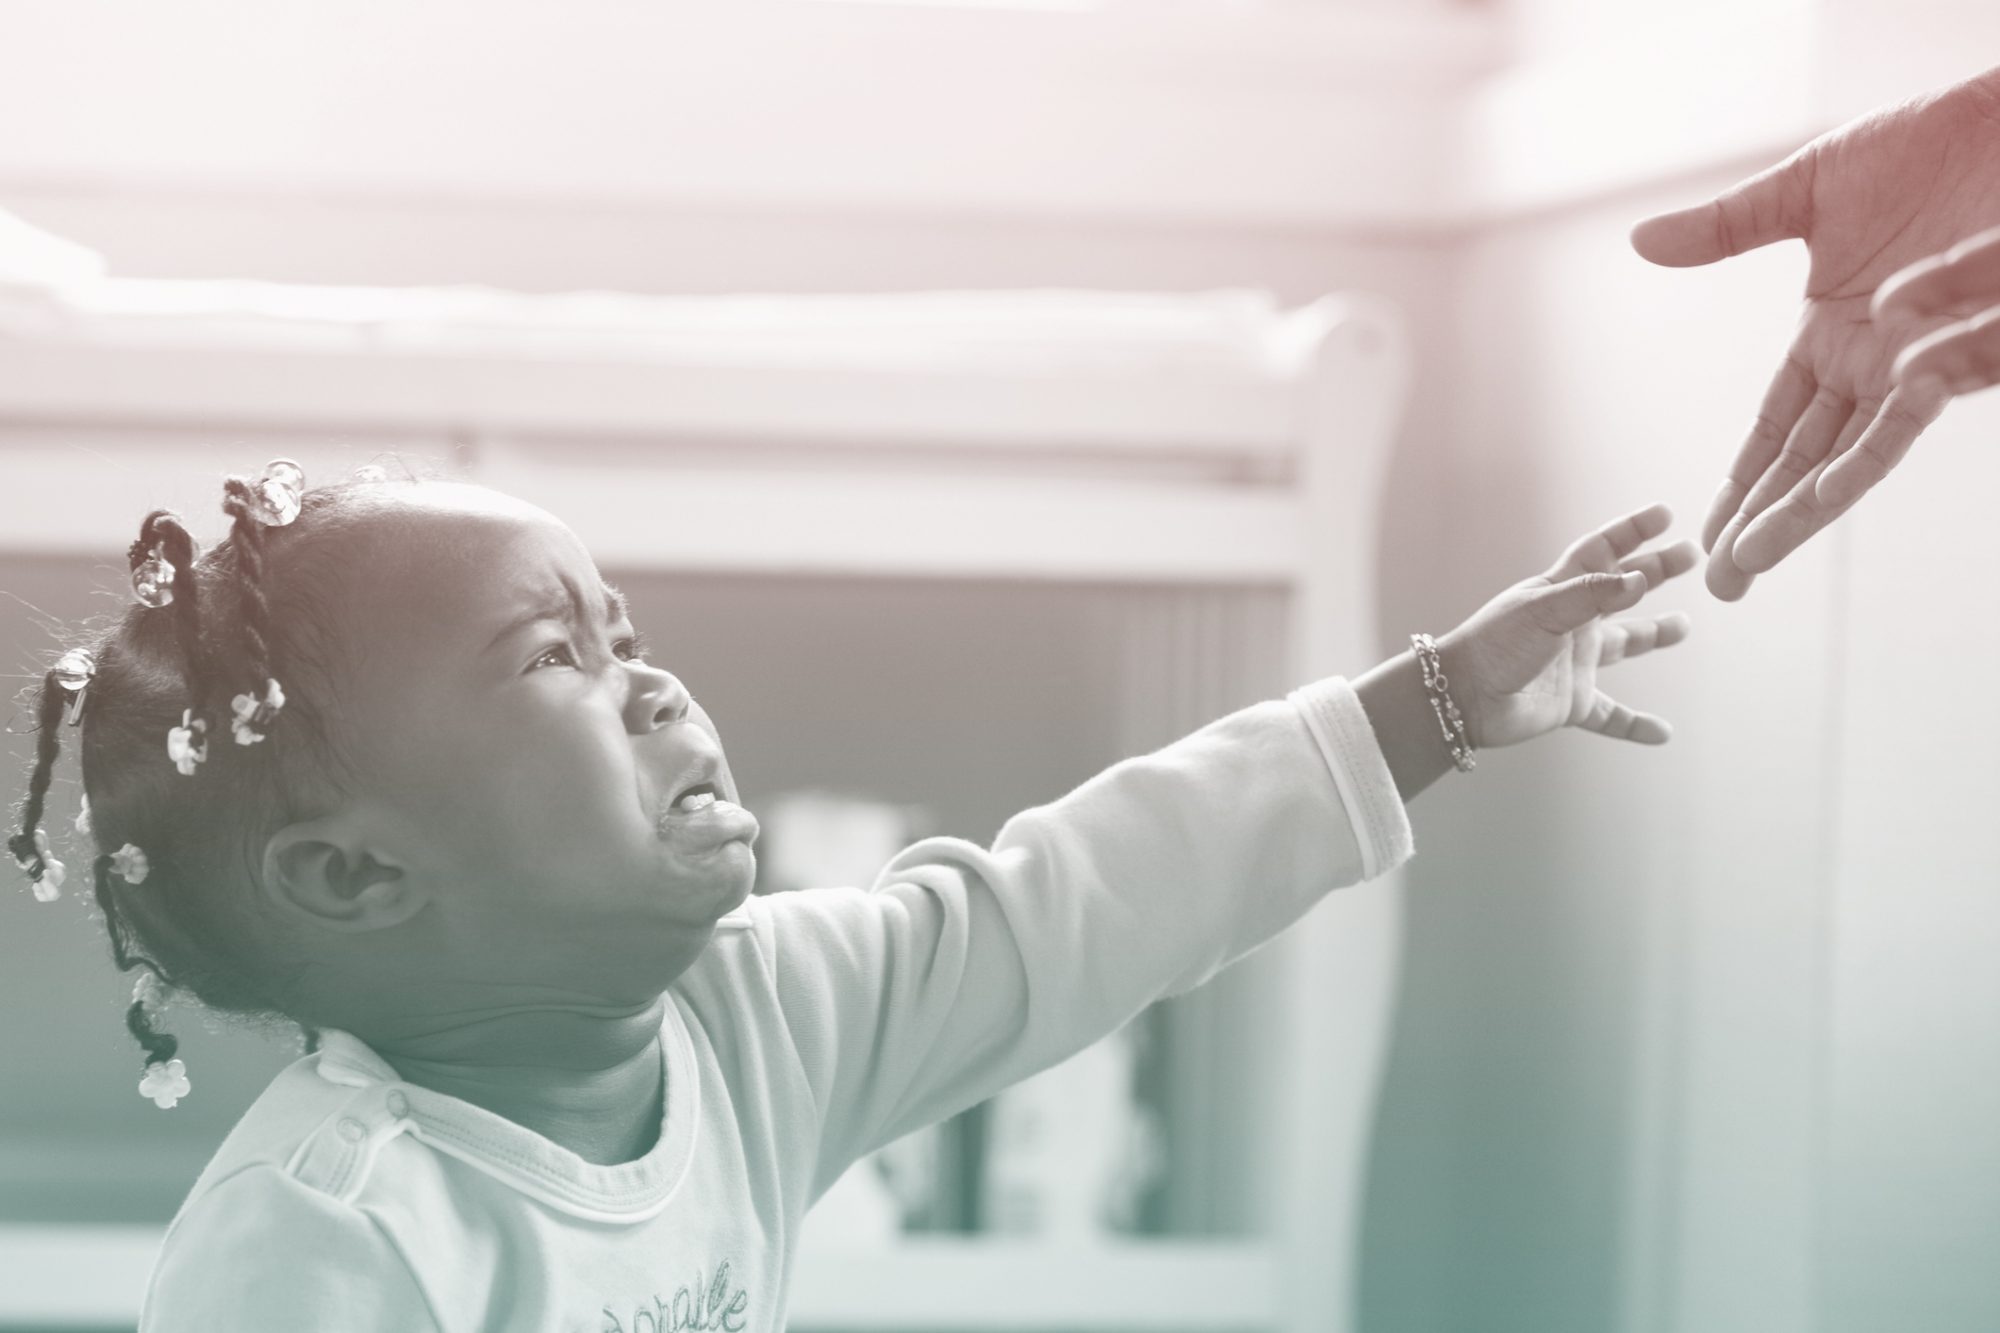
x: 1527, y: 662
x: 1963, y: 286
x: 1869, y: 199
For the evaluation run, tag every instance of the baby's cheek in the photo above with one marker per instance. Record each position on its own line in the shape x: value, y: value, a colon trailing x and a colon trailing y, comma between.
x: 564, y: 805
x: 493, y: 809
x: 522, y: 800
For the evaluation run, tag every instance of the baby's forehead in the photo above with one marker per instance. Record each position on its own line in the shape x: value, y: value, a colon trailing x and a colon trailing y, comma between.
x: 450, y: 556
x: 465, y: 507
x: 459, y: 529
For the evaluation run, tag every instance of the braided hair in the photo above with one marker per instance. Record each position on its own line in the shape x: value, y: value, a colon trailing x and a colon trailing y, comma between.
x: 48, y: 718
x: 241, y: 503
x: 252, y: 611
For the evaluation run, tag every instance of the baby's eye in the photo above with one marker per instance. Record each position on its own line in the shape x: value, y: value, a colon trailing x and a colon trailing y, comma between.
x: 552, y: 652
x: 630, y: 649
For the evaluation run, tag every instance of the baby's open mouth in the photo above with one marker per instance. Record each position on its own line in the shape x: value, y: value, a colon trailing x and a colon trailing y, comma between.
x: 697, y: 797
x: 699, y: 818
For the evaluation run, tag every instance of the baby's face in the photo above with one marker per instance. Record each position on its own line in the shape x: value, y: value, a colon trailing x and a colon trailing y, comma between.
x: 523, y: 760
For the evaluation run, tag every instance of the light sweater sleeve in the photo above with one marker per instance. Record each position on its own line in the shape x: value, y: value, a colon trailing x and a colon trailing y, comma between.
x: 216, y: 1272
x: 966, y: 969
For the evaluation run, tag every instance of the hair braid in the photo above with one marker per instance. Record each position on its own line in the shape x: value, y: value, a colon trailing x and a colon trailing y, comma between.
x: 163, y: 529
x: 240, y: 502
x: 160, y: 1046
x: 114, y: 925
x: 48, y: 740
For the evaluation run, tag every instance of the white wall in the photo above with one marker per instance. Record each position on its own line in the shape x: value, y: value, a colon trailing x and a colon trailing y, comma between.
x: 1193, y: 111
x: 1700, y: 1040
x: 1912, y: 1206
x: 1612, y: 974
x: 1735, y: 999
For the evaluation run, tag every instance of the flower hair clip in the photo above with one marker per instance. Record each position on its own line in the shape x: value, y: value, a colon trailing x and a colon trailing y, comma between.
x: 187, y: 744
x: 45, y: 873
x: 129, y: 864
x: 165, y: 1084
x: 252, y: 712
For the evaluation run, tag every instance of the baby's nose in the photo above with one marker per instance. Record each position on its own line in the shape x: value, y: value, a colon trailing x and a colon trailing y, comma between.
x: 658, y: 699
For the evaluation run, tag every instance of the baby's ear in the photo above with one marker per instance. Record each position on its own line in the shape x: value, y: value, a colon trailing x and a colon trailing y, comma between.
x: 325, y: 872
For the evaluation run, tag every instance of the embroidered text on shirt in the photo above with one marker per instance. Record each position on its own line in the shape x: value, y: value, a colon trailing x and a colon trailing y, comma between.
x: 695, y: 1308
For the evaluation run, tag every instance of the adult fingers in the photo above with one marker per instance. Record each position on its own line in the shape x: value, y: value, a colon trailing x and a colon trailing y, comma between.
x: 1884, y: 437
x: 1725, y: 581
x: 1768, y: 532
x: 1775, y: 530
x: 1608, y: 717
x: 1568, y: 606
x: 1625, y: 639
x: 1903, y: 416
x: 1958, y: 358
x: 1599, y: 551
x: 1728, y: 576
x: 1964, y: 278
x: 1819, y: 430
x: 1770, y: 206
x: 1791, y: 390
x: 1815, y: 503
x: 1666, y: 563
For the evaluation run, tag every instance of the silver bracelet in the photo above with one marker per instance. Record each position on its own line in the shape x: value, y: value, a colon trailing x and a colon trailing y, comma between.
x: 1450, y: 724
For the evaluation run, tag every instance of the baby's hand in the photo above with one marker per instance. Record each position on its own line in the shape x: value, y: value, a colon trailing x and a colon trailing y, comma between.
x: 1527, y: 662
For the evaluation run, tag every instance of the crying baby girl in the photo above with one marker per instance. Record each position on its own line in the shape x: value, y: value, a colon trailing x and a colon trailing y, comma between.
x: 392, y: 763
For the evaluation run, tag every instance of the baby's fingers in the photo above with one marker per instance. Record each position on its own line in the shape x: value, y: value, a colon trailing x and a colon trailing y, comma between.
x: 1608, y: 717
x: 1666, y: 563
x: 1600, y: 550
x: 1633, y: 638
x: 1564, y: 608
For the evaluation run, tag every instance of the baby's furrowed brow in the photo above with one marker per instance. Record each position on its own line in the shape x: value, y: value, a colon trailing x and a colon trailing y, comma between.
x: 616, y: 608
x: 561, y: 611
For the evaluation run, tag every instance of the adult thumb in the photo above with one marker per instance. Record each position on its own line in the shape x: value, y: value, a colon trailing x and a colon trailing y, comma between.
x: 1771, y: 206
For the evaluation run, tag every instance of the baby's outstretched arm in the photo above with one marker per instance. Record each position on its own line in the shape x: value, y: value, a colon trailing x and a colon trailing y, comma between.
x: 968, y: 968
x: 1527, y: 662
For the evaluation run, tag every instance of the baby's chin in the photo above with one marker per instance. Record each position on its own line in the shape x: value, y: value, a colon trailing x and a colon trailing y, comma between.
x: 713, y: 882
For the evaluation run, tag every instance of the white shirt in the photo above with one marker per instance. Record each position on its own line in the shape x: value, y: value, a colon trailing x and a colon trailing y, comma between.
x: 816, y: 1027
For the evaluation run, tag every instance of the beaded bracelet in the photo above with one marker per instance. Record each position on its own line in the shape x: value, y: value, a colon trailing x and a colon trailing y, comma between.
x: 1437, y: 686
